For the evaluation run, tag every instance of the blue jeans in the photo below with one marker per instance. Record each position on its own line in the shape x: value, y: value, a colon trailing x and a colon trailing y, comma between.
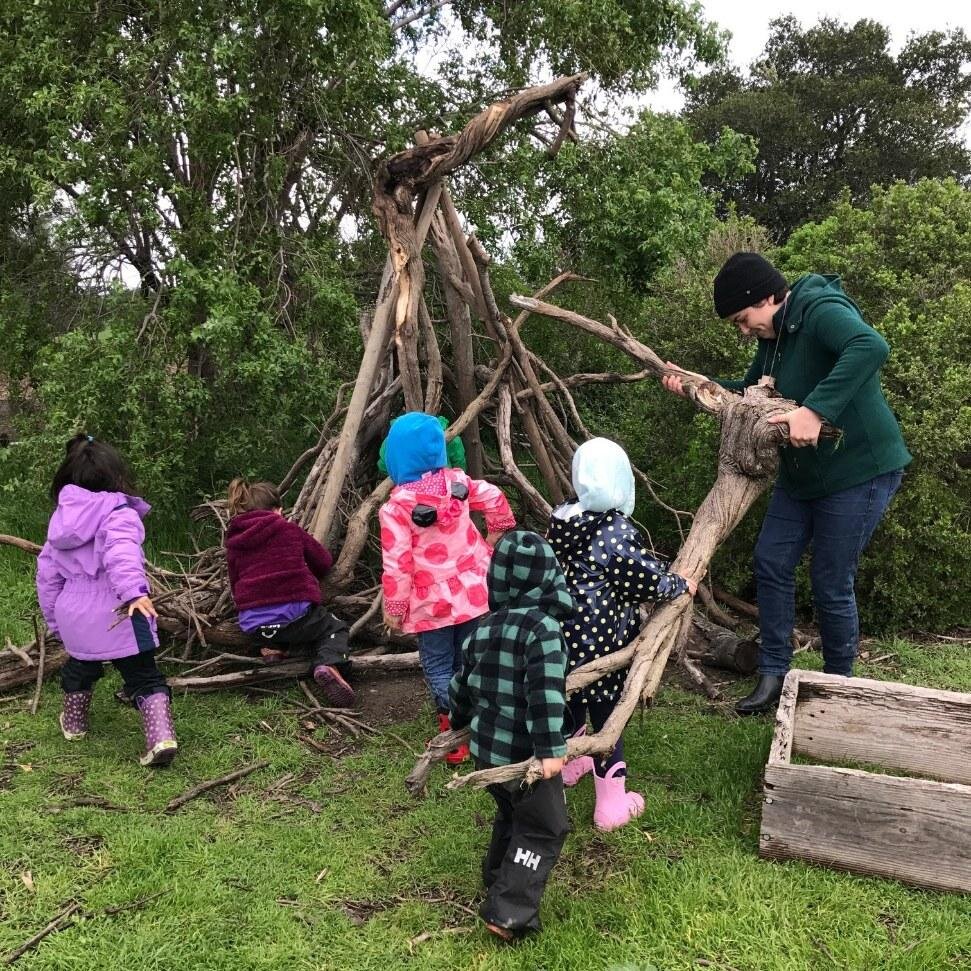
x: 440, y: 653
x: 839, y: 527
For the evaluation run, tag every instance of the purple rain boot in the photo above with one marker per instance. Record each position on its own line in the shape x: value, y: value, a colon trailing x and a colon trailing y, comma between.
x: 336, y: 690
x: 576, y: 769
x: 615, y: 807
x: 74, y: 715
x: 160, y: 743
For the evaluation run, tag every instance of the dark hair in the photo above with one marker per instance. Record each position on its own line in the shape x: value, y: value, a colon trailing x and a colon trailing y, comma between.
x: 243, y: 496
x: 92, y: 465
x: 780, y: 295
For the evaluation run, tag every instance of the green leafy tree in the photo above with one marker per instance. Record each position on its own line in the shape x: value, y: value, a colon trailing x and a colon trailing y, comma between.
x: 832, y: 108
x: 193, y: 164
x: 627, y: 204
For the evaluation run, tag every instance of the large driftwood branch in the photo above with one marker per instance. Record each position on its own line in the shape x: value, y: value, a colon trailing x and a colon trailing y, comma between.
x: 398, y: 179
x: 747, y: 460
x: 374, y: 352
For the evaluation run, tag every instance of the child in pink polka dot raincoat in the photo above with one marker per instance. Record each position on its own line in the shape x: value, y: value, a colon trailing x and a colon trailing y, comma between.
x: 435, y: 559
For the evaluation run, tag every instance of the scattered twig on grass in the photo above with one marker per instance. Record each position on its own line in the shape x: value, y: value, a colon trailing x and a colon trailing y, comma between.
x: 944, y: 637
x: 882, y: 657
x: 135, y: 904
x: 700, y: 678
x: 60, y: 921
x: 284, y: 782
x: 89, y: 802
x: 69, y: 915
x: 41, y: 638
x: 428, y: 935
x: 198, y: 790
x: 342, y: 718
x: 302, y: 801
x: 314, y: 744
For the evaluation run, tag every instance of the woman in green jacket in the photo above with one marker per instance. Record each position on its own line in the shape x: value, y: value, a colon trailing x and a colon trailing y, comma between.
x: 815, y: 348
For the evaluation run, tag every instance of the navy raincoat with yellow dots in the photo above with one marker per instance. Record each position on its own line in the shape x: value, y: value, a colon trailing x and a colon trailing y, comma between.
x: 608, y: 567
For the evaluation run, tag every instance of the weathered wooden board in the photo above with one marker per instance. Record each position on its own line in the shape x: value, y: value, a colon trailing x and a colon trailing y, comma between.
x: 898, y: 726
x: 913, y: 830
x: 785, y: 717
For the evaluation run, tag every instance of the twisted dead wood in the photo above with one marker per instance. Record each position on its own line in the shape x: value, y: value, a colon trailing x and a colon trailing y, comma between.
x: 747, y: 460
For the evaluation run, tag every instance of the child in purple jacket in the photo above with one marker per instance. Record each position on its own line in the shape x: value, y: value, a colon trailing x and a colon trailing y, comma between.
x: 93, y: 592
x: 275, y: 569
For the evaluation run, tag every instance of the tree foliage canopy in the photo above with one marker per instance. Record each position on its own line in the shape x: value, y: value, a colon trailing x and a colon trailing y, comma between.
x: 210, y: 155
x: 186, y: 242
x: 832, y: 108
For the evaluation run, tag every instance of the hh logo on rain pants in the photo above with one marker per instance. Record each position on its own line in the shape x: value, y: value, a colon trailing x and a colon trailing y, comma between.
x: 527, y: 859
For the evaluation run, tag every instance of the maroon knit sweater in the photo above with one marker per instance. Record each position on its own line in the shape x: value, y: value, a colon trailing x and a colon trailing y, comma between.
x: 273, y: 561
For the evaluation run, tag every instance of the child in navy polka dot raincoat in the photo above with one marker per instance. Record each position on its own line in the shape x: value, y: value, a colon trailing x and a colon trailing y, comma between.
x: 610, y: 571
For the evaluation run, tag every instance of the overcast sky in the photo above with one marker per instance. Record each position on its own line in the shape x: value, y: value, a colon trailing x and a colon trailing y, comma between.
x: 748, y: 21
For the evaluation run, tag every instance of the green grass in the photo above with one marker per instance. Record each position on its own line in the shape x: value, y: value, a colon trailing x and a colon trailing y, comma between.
x: 256, y: 883
x: 252, y: 882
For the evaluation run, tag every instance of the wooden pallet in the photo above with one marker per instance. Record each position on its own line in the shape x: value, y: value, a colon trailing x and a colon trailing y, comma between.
x: 917, y: 830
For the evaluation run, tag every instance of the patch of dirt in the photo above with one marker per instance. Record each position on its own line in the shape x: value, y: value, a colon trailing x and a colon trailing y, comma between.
x: 359, y: 912
x: 390, y: 697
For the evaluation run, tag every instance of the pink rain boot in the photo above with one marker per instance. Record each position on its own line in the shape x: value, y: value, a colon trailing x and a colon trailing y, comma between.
x: 615, y: 806
x: 336, y: 690
x: 160, y: 743
x: 576, y: 769
x: 74, y: 715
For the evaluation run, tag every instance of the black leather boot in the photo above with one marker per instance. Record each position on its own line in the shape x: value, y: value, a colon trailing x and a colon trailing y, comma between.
x: 764, y: 698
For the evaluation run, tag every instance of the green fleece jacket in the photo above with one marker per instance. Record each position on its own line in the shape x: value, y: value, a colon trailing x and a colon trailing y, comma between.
x: 826, y: 357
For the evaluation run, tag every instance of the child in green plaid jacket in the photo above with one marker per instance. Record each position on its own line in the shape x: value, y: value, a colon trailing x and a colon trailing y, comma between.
x: 511, y: 693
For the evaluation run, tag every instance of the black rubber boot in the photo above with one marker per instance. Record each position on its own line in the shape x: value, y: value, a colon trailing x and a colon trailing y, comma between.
x: 764, y: 698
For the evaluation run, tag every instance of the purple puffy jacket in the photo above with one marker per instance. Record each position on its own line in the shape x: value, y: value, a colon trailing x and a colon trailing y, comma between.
x: 91, y: 564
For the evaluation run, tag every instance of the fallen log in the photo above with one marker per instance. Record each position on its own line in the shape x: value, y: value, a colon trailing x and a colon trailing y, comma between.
x: 718, y: 647
x: 287, y: 670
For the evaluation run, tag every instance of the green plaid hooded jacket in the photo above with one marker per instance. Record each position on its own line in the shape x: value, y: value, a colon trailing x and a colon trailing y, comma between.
x: 511, y: 690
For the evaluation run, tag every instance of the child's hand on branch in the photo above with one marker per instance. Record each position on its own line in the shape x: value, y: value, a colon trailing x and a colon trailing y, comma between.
x: 552, y: 767
x: 144, y: 606
x: 692, y: 585
x: 392, y: 621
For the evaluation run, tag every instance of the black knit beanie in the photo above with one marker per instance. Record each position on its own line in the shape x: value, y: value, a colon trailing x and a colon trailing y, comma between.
x: 745, y: 279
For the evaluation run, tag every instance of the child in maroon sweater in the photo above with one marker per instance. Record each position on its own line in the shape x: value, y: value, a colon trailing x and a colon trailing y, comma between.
x: 275, y: 569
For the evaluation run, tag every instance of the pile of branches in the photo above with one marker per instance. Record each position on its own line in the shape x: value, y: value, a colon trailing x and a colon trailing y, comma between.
x: 516, y: 403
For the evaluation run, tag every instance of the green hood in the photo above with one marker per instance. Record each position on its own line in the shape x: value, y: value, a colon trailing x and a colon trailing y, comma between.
x: 524, y: 573
x: 808, y: 294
